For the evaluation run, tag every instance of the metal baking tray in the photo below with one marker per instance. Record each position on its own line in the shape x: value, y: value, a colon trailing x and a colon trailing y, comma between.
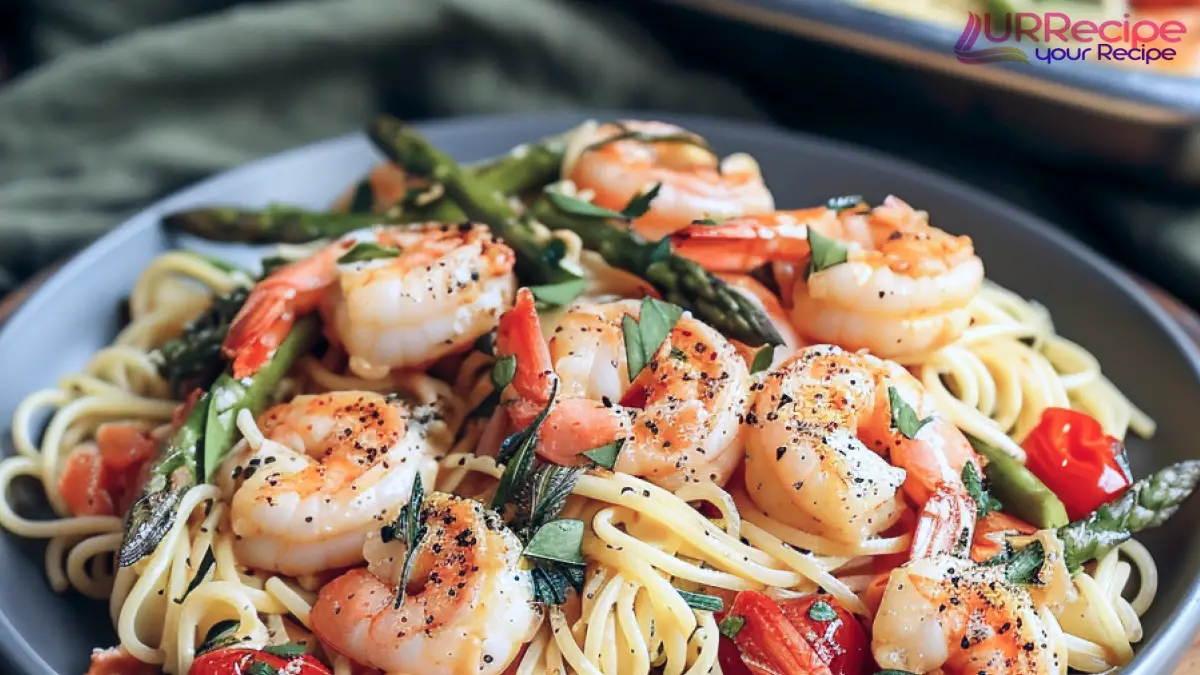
x: 1083, y: 114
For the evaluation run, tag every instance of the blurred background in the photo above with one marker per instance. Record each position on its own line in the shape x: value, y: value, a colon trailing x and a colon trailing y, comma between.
x: 106, y: 106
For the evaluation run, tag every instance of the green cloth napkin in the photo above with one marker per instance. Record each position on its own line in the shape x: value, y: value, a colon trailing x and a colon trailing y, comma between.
x: 136, y: 98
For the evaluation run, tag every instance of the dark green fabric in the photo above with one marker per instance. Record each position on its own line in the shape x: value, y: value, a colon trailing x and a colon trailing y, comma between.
x: 136, y: 98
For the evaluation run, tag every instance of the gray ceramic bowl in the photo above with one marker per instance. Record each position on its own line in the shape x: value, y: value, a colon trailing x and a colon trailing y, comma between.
x: 76, y: 313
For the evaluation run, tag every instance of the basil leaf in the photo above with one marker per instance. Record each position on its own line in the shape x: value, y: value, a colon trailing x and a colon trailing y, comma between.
x: 822, y: 611
x: 659, y: 251
x: 557, y: 295
x: 409, y: 526
x: 702, y: 601
x: 206, y: 564
x: 904, y: 418
x: 363, y: 200
x: 731, y: 625
x: 517, y: 456
x: 261, y: 668
x: 606, y: 455
x: 287, y: 650
x: 762, y: 359
x: 639, y: 204
x: 826, y: 252
x: 578, y: 207
x: 503, y: 372
x: 559, y: 541
x: 985, y: 503
x: 842, y: 203
x: 367, y: 250
x: 645, y: 335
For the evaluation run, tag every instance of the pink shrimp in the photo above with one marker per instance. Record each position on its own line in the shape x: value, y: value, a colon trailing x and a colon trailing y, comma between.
x: 444, y: 287
x: 694, y: 183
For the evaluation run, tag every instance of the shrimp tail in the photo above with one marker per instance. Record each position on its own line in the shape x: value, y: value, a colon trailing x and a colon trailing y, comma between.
x: 274, y: 305
x: 519, y: 334
x: 946, y: 524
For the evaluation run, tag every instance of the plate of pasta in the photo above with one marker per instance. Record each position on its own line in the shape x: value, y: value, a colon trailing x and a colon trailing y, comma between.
x: 609, y: 394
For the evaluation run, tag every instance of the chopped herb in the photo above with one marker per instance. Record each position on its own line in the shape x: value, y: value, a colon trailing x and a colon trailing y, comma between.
x: 551, y: 582
x: 287, y: 650
x: 762, y: 359
x: 517, y: 456
x: 731, y: 625
x: 557, y: 295
x: 904, y: 418
x: 503, y: 371
x: 578, y: 207
x: 556, y: 250
x: 261, y: 668
x: 367, y: 250
x: 364, y: 197
x: 826, y: 252
x: 640, y: 203
x: 659, y: 251
x: 822, y: 611
x: 606, y: 455
x: 706, y: 221
x: 221, y: 635
x: 410, y: 527
x: 645, y: 335
x: 194, y: 359
x: 1024, y: 566
x: 544, y: 496
x: 206, y: 564
x: 840, y: 204
x: 678, y: 355
x: 985, y: 503
x: 558, y: 541
x: 701, y: 601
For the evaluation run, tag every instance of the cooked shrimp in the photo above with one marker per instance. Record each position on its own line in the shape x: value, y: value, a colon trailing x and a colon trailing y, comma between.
x: 906, y: 294
x: 679, y: 418
x: 966, y: 619
x: 620, y: 160
x: 444, y: 289
x: 340, y: 463
x: 813, y: 427
x: 386, y: 185
x: 904, y: 289
x: 468, y: 607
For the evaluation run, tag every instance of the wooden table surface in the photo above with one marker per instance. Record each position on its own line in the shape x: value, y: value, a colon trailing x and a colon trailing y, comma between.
x: 1186, y: 318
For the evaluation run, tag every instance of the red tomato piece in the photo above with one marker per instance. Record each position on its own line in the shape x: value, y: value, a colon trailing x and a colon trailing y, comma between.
x: 1072, y: 455
x: 840, y: 641
x: 768, y: 641
x: 235, y: 661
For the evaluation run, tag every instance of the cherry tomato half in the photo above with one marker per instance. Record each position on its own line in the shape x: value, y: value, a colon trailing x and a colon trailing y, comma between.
x: 1072, y: 455
x: 236, y: 661
x: 834, y: 633
x: 768, y: 641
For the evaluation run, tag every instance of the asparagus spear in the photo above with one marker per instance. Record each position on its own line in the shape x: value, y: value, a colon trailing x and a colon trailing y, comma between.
x: 681, y: 281
x: 1148, y: 503
x: 230, y: 396
x: 174, y: 473
x: 526, y: 167
x: 478, y: 199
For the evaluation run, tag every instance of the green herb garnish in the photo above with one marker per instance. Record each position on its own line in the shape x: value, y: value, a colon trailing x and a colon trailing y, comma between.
x: 643, y: 336
x: 367, y: 250
x: 517, y: 456
x: 826, y: 252
x: 904, y: 418
x: 640, y: 203
x: 560, y: 294
x: 822, y: 611
x: 503, y: 371
x: 287, y: 650
x: 701, y: 601
x: 731, y: 625
x: 410, y: 527
x: 762, y: 359
x: 606, y: 455
x: 985, y: 503
x: 578, y: 207
x: 558, y: 541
